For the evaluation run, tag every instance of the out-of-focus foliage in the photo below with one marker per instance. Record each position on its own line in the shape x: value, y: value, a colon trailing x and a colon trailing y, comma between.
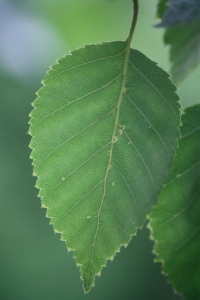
x: 161, y: 7
x: 182, y: 19
x: 184, y: 45
x: 175, y: 12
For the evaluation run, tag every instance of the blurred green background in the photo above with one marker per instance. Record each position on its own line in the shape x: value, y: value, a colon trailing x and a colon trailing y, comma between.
x: 34, y: 263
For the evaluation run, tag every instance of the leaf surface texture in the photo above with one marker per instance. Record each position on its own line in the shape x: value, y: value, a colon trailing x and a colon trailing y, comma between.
x: 102, y: 146
x: 175, y: 221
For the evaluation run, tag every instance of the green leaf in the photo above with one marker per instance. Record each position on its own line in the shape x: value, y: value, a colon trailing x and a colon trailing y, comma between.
x: 182, y: 35
x: 179, y: 12
x: 105, y: 128
x: 175, y: 221
x: 184, y: 45
x: 162, y: 6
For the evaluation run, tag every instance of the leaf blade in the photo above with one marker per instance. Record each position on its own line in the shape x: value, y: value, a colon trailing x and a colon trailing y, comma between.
x: 175, y: 221
x: 162, y: 6
x: 179, y: 12
x: 85, y: 148
x: 184, y: 49
x: 182, y: 22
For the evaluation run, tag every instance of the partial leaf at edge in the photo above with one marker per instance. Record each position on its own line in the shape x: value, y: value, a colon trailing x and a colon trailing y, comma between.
x: 179, y: 12
x: 162, y: 6
x: 102, y: 147
x: 182, y: 34
x: 175, y: 221
x: 184, y: 42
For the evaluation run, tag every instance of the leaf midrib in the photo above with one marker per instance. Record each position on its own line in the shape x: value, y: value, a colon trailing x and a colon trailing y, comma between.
x: 126, y: 61
x: 76, y: 100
